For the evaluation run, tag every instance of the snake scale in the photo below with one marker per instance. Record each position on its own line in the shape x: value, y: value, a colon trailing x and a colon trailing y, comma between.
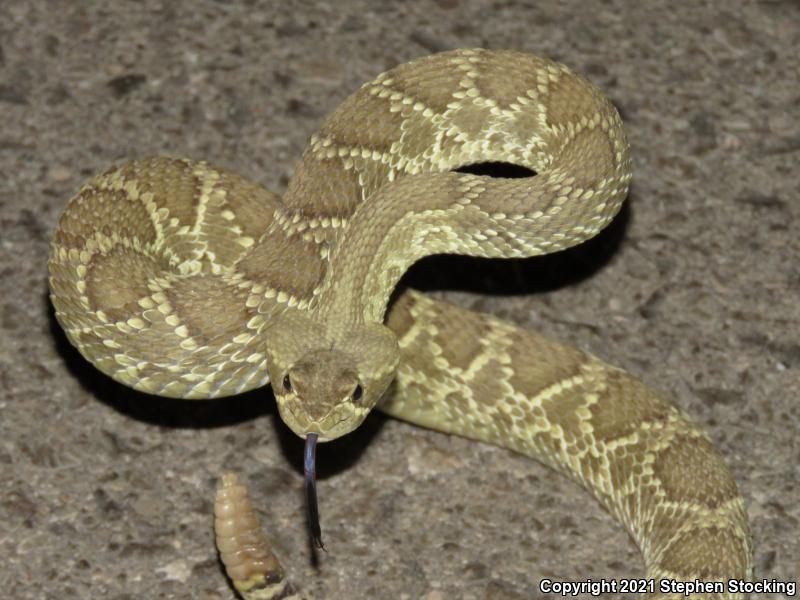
x: 184, y: 280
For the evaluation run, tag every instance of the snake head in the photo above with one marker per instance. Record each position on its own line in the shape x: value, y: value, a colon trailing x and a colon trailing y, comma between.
x: 326, y: 380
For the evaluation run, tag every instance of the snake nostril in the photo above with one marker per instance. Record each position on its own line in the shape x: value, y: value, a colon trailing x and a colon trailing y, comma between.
x: 287, y: 383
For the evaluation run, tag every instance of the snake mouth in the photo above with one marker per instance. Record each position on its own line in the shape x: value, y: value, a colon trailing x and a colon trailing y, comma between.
x: 310, y: 477
x: 340, y: 420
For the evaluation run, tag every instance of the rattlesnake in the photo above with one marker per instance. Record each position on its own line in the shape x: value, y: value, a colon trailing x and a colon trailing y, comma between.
x: 185, y: 280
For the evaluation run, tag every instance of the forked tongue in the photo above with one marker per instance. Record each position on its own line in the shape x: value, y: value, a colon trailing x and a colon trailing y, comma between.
x: 310, y: 472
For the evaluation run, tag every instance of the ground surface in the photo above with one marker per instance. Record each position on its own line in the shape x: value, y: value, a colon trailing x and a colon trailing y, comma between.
x: 107, y: 493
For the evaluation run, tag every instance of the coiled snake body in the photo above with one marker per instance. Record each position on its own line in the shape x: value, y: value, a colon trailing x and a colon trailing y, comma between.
x: 184, y: 280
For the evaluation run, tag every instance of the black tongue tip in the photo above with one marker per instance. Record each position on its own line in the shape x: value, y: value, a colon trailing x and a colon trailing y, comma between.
x: 310, y: 472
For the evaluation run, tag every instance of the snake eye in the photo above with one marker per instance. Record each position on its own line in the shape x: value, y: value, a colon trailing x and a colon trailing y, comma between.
x: 357, y: 393
x: 287, y: 384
